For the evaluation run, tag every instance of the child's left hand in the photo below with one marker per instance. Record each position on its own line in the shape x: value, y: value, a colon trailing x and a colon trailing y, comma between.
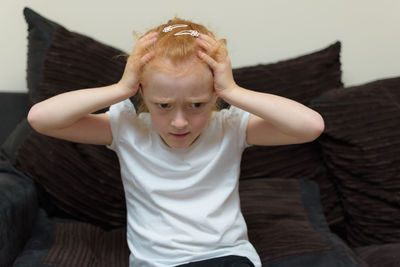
x: 216, y: 57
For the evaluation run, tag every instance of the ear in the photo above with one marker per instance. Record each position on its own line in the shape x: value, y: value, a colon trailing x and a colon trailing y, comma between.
x: 215, y: 98
x: 141, y: 90
x: 142, y: 105
x: 215, y: 102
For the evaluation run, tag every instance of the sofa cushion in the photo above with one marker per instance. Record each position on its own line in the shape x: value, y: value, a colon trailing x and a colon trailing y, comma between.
x: 13, y: 108
x: 74, y: 61
x: 287, y: 226
x: 302, y: 79
x: 18, y: 208
x: 64, y: 243
x: 39, y: 244
x: 386, y: 255
x: 79, y: 180
x: 87, y: 245
x: 40, y: 34
x: 60, y: 60
x: 361, y: 147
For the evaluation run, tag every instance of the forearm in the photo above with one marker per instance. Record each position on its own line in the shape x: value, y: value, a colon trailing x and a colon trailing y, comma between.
x: 277, y: 120
x: 63, y: 110
x: 290, y: 117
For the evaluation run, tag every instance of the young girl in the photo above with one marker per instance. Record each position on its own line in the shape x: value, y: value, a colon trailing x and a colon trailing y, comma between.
x: 180, y: 158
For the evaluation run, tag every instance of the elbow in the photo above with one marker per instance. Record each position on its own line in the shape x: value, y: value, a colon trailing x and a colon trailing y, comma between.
x: 312, y: 128
x: 36, y: 119
x: 316, y: 127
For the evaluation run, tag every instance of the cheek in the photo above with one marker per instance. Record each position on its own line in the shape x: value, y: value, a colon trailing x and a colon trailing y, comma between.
x: 199, y: 122
x: 159, y: 122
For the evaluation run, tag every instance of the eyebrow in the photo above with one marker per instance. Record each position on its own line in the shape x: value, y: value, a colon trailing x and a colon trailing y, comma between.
x: 199, y: 99
x: 161, y: 100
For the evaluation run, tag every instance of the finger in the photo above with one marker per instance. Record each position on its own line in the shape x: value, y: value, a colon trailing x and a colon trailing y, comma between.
x: 213, y: 47
x: 212, y: 41
x: 147, y: 41
x: 139, y: 52
x: 150, y: 35
x: 207, y: 38
x: 207, y: 43
x: 207, y: 59
x: 140, y: 56
x: 144, y: 42
x: 146, y: 58
x: 221, y: 52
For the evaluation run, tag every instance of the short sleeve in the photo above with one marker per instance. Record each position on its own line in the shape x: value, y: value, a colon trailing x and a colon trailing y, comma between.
x: 119, y: 114
x: 237, y: 120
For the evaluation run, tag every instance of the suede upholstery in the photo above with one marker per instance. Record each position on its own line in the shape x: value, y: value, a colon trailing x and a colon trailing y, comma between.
x: 62, y: 204
x: 18, y: 211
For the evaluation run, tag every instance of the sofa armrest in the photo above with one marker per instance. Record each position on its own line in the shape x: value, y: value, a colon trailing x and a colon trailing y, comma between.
x: 13, y: 108
x: 18, y: 211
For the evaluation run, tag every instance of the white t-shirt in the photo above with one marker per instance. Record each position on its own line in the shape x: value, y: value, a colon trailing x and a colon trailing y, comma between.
x: 182, y: 204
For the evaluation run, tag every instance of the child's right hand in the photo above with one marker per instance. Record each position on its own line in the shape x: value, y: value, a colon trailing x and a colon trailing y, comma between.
x: 137, y: 59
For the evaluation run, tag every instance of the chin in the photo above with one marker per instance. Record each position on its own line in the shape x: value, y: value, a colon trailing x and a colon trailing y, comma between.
x: 178, y: 146
x: 179, y: 143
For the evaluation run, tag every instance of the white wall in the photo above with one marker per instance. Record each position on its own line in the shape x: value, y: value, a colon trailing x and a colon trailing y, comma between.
x: 258, y: 31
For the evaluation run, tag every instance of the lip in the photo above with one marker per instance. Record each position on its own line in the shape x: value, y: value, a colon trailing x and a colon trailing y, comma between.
x: 179, y: 135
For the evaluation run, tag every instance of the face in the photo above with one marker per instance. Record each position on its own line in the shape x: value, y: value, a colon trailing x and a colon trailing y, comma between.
x: 180, y: 104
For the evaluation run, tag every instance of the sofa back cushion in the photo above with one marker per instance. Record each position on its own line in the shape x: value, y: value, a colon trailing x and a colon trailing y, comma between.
x: 361, y: 147
x: 301, y: 79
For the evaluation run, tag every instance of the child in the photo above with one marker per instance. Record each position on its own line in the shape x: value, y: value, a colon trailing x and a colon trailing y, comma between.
x: 179, y: 157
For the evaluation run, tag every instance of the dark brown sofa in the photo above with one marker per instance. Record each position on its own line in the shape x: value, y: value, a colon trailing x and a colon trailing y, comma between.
x: 333, y: 202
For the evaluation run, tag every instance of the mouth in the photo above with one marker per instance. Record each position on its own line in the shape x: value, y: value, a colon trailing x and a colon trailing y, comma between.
x: 179, y: 135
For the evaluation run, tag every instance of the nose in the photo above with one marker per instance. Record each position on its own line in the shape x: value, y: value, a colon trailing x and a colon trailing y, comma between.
x: 179, y: 120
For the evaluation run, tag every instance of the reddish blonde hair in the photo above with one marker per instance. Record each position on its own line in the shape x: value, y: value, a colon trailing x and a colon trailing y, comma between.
x: 178, y: 49
x: 173, y: 52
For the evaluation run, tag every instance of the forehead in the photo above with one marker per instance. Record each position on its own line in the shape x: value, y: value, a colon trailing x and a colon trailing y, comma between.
x: 188, y: 80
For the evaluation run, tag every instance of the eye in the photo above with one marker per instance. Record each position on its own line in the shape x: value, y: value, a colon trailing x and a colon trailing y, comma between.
x: 164, y: 105
x: 196, y: 105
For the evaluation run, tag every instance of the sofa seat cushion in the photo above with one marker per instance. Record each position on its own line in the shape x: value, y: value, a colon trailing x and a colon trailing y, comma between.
x: 387, y: 255
x: 82, y: 244
x: 18, y: 208
x: 285, y: 219
x: 287, y: 226
x: 65, y: 242
x: 39, y: 243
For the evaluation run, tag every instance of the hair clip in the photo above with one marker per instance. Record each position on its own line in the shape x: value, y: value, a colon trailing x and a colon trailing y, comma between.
x: 188, y: 32
x: 171, y: 27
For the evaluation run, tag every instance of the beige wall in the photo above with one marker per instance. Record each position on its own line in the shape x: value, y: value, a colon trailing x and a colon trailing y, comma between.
x: 258, y: 31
